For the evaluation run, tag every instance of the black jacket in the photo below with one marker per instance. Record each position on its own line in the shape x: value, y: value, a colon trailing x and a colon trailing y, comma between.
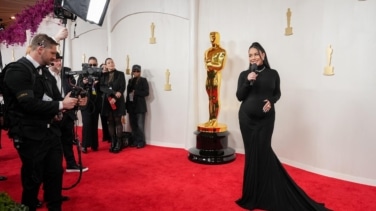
x: 140, y: 86
x: 109, y: 89
x: 67, y: 84
x: 32, y: 103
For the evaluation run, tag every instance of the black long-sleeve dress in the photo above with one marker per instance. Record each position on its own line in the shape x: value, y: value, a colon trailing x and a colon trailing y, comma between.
x: 266, y: 183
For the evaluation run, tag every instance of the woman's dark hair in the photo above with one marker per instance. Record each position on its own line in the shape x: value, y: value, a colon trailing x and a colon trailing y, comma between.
x: 257, y: 46
x: 105, y: 61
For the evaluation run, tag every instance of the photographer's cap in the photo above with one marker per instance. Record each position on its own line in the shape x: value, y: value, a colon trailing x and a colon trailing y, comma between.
x: 136, y: 67
x: 58, y: 56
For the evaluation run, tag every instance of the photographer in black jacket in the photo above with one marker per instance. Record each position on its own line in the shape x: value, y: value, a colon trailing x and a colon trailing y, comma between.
x: 34, y: 110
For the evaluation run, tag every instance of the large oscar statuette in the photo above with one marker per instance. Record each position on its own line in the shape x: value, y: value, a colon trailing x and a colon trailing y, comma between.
x: 212, y: 136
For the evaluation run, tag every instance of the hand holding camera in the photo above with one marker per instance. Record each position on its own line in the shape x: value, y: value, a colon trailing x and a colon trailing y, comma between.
x: 69, y: 102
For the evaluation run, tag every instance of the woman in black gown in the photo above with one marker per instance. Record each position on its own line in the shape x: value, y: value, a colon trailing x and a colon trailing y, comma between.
x: 266, y: 183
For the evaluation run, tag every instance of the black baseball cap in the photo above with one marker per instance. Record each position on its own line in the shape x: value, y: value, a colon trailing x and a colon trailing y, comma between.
x: 136, y: 67
x: 58, y: 56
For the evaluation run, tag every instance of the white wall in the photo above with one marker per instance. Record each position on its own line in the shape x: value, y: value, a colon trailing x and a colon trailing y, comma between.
x: 323, y: 123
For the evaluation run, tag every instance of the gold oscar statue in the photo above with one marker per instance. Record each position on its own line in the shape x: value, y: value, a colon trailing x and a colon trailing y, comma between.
x: 167, y: 86
x: 288, y: 30
x: 215, y: 60
x: 13, y: 58
x: 152, y: 39
x: 212, y: 136
x: 328, y: 68
x: 127, y: 71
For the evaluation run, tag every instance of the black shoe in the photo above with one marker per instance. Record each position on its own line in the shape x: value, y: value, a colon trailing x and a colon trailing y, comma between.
x: 94, y: 149
x: 139, y: 146
x: 76, y: 168
x: 2, y: 178
x: 64, y: 198
x: 133, y: 145
x: 39, y: 204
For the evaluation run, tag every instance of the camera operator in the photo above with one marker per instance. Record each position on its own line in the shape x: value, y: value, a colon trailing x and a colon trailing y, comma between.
x: 90, y: 113
x: 34, y: 109
x: 65, y: 85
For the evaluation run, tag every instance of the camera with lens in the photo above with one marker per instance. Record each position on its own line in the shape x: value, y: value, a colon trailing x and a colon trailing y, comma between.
x: 91, y: 73
x: 78, y: 91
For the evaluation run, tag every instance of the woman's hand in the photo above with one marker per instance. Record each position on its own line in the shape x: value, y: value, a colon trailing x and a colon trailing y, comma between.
x: 267, y: 106
x: 252, y: 76
x: 118, y: 95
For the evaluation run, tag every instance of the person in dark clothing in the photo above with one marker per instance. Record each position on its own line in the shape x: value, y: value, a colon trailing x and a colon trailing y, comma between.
x: 65, y: 85
x: 34, y: 110
x: 137, y: 90
x: 112, y: 85
x: 90, y: 113
x: 105, y: 134
x: 266, y: 184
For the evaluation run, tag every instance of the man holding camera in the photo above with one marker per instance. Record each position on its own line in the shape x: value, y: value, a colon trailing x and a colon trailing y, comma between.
x: 90, y: 113
x: 65, y: 84
x: 34, y: 109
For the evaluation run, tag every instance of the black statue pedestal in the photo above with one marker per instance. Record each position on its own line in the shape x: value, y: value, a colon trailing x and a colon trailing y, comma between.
x: 211, y: 147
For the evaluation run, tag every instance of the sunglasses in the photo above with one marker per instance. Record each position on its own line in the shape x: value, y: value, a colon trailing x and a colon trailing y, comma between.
x: 136, y: 71
x: 93, y: 65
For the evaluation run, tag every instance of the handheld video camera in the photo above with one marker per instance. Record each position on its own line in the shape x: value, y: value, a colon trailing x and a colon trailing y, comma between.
x: 91, y: 73
x: 78, y: 91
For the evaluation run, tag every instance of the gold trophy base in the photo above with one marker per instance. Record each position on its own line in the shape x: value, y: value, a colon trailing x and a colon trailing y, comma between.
x: 128, y: 71
x: 167, y: 87
x: 206, y: 127
x: 288, y: 31
x: 152, y: 40
x: 328, y: 70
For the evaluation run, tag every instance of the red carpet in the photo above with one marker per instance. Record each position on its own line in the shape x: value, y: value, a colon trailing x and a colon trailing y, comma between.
x: 160, y: 178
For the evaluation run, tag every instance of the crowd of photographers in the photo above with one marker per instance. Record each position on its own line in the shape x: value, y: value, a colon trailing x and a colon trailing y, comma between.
x: 42, y: 99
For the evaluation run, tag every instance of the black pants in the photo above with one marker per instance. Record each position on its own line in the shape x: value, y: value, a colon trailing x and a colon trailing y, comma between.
x: 41, y: 164
x: 67, y: 138
x: 137, y: 121
x: 105, y: 133
x: 90, y: 117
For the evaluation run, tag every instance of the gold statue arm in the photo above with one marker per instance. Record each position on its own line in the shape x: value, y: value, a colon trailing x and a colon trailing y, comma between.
x: 216, y: 62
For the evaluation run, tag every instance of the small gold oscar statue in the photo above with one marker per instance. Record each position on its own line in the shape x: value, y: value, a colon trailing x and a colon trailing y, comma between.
x: 152, y: 38
x: 127, y: 71
x: 328, y: 68
x: 167, y: 86
x: 288, y: 30
x: 13, y: 58
x: 83, y: 58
